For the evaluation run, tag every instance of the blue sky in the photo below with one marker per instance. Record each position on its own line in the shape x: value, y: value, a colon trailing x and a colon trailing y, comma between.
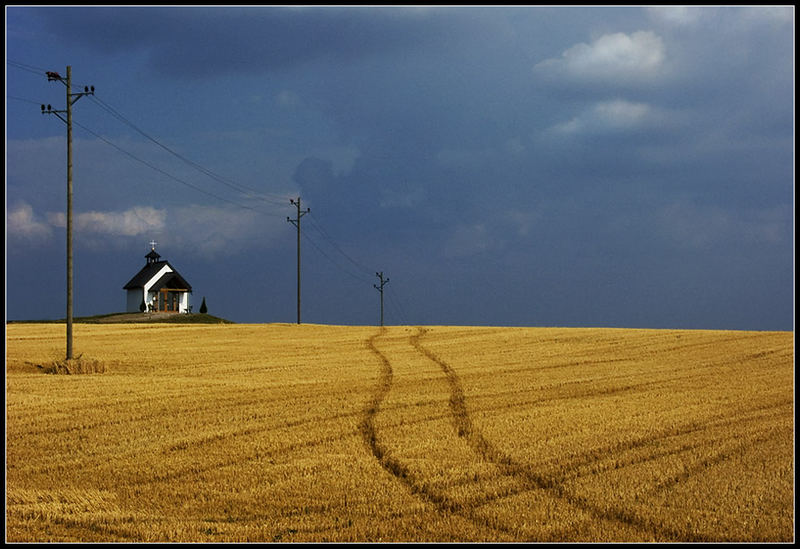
x: 594, y: 166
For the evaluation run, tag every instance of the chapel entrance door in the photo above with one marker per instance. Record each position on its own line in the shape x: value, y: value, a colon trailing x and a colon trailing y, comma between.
x: 169, y: 301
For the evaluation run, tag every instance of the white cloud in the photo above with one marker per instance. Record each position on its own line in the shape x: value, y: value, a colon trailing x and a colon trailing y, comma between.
x: 733, y: 18
x: 21, y: 222
x: 133, y: 222
x: 676, y: 15
x: 612, y: 58
x: 206, y: 230
x: 222, y: 230
x: 140, y: 220
x: 609, y: 116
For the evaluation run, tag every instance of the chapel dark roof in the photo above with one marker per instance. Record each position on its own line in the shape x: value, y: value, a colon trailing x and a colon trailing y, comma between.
x: 151, y: 269
x: 171, y: 280
x: 146, y: 273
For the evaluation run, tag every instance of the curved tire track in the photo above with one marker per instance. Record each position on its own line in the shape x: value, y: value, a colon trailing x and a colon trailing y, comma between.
x: 525, y: 477
x: 529, y: 478
x: 398, y: 469
x: 370, y: 435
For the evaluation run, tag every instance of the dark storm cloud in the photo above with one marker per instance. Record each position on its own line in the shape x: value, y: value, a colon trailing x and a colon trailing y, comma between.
x: 195, y: 42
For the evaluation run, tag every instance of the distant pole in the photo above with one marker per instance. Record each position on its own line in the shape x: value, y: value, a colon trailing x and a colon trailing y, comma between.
x: 380, y: 289
x: 71, y: 98
x: 296, y: 223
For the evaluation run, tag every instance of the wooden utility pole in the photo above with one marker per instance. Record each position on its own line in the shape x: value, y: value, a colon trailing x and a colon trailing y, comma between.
x: 71, y: 98
x: 296, y: 223
x: 380, y: 289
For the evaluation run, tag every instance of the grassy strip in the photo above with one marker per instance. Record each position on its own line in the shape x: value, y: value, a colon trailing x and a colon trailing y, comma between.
x: 177, y: 318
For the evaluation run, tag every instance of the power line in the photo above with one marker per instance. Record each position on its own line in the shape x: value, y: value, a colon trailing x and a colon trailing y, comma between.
x: 169, y: 175
x: 395, y: 303
x: 393, y: 299
x: 108, y: 108
x: 249, y: 192
x: 23, y: 99
x: 330, y: 240
x: 350, y: 273
x: 29, y: 68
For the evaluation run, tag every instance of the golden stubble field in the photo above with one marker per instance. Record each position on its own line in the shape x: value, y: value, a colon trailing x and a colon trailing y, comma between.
x: 324, y: 433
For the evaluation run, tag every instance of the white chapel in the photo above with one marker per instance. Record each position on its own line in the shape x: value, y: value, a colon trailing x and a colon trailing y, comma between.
x: 159, y: 285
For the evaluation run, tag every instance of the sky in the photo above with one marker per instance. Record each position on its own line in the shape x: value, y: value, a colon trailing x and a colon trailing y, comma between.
x: 625, y: 167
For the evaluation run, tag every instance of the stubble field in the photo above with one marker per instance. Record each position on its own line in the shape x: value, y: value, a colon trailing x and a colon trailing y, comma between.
x: 324, y: 433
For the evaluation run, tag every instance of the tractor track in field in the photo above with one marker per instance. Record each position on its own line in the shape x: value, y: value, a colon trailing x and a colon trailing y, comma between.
x: 524, y: 476
x: 395, y: 467
x: 531, y: 479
